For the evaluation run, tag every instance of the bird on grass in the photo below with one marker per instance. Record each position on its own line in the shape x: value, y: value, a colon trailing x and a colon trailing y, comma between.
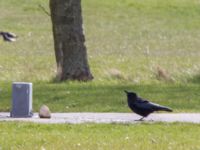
x: 143, y: 107
x: 8, y: 36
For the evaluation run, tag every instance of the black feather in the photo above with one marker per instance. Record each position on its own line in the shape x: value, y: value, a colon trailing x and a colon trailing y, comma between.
x: 143, y: 107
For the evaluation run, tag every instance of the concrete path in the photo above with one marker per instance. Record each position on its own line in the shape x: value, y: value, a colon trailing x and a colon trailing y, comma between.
x: 76, y: 118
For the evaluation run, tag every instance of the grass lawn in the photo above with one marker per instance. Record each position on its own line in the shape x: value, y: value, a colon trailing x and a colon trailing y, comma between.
x: 157, y: 136
x: 149, y: 46
x: 98, y: 97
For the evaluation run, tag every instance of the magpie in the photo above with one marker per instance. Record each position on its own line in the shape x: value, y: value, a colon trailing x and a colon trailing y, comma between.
x: 8, y: 36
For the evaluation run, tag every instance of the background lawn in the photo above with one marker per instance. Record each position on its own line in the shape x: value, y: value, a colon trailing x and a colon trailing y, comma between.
x: 149, y: 46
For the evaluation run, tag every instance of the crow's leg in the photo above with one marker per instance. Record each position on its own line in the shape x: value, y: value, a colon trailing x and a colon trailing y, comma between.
x: 141, y: 119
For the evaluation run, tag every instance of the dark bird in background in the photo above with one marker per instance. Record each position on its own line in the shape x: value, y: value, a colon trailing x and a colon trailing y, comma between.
x: 8, y: 36
x: 143, y: 107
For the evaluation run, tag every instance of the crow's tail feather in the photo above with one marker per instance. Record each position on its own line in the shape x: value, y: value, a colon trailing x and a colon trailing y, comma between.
x: 163, y: 108
x: 157, y: 107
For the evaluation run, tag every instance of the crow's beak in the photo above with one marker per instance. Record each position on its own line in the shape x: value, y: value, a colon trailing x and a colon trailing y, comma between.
x: 126, y: 91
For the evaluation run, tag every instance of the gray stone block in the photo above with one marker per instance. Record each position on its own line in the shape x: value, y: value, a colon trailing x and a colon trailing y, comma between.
x: 21, y: 100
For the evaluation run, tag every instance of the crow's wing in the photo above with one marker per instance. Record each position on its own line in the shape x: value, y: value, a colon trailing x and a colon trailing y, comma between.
x: 149, y: 106
x: 140, y: 100
x: 144, y: 104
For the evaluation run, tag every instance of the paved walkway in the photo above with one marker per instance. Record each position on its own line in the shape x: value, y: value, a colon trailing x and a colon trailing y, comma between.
x: 76, y: 118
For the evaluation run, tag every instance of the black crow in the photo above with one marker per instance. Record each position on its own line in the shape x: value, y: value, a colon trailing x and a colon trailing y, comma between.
x: 8, y: 36
x: 143, y: 107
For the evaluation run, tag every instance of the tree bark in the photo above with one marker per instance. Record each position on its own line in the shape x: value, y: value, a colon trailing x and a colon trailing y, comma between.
x: 70, y: 51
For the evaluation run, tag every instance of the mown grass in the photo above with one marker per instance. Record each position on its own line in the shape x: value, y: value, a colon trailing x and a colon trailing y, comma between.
x: 97, y: 97
x: 127, y: 42
x: 133, y: 37
x: 157, y: 136
x: 149, y: 46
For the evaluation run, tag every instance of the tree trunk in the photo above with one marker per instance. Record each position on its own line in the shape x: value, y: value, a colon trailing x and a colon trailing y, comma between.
x: 70, y: 51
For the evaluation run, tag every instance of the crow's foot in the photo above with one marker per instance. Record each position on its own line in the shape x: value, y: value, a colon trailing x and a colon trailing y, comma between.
x: 141, y: 119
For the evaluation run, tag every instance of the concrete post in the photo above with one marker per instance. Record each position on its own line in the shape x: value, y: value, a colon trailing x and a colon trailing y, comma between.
x: 21, y: 100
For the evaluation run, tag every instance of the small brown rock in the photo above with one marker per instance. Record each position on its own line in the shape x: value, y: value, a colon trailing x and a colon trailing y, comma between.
x: 44, y: 112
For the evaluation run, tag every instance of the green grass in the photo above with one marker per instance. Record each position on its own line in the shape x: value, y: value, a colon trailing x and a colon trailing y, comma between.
x: 126, y: 40
x: 98, y: 97
x: 157, y: 136
x: 131, y: 36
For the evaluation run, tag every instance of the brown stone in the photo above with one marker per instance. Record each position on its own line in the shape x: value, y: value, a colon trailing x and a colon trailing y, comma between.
x: 44, y: 112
